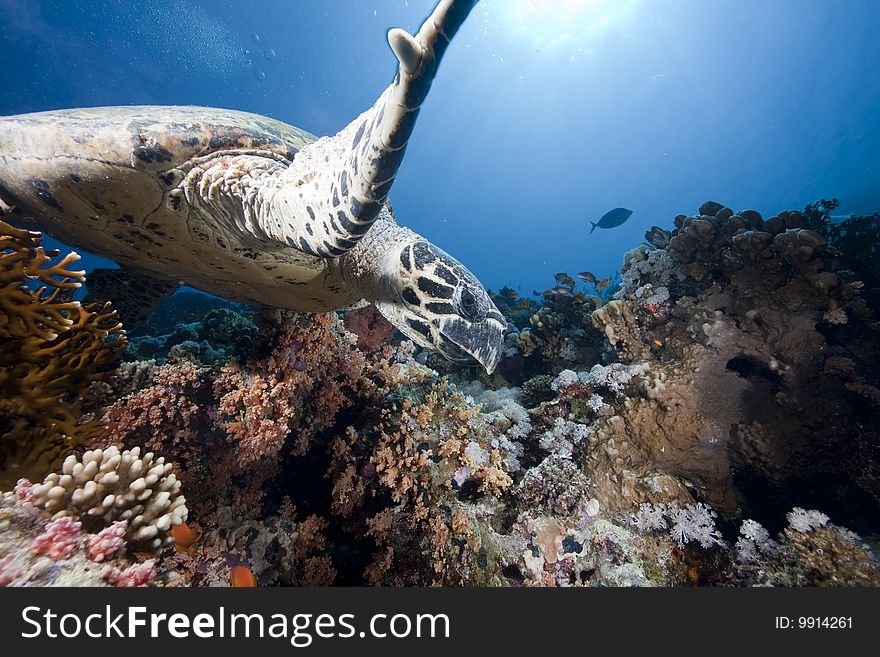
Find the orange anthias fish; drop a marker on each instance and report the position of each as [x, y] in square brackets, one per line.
[601, 285]
[242, 577]
[184, 536]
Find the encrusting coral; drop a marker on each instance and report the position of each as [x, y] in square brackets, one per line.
[52, 348]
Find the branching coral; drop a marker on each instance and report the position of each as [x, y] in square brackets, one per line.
[312, 372]
[244, 433]
[52, 348]
[107, 486]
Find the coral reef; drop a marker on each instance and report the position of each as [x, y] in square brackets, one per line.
[560, 335]
[52, 348]
[307, 370]
[810, 552]
[237, 429]
[222, 333]
[185, 307]
[277, 550]
[655, 435]
[737, 343]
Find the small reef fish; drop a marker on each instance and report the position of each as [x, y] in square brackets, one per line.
[612, 219]
[184, 536]
[564, 279]
[558, 291]
[587, 277]
[601, 285]
[242, 577]
[505, 293]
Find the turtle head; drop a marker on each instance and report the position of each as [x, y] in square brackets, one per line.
[435, 301]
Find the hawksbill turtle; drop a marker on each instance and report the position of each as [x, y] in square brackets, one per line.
[251, 209]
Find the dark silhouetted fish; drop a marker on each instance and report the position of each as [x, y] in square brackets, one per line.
[612, 219]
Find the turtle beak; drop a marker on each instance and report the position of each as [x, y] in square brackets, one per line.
[472, 343]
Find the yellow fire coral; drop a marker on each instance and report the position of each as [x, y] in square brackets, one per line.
[51, 349]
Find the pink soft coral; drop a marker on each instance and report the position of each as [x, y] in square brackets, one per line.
[59, 540]
[107, 543]
[22, 490]
[168, 411]
[138, 574]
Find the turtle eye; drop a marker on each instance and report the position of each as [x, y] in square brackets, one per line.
[470, 307]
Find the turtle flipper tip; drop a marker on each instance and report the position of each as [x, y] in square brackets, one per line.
[444, 21]
[354, 170]
[407, 50]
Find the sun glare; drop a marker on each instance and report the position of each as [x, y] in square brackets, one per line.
[574, 24]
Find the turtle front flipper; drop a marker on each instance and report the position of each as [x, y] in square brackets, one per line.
[336, 187]
[134, 295]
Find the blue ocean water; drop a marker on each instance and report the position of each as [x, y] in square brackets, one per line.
[545, 114]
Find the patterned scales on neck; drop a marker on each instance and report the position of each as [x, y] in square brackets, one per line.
[249, 208]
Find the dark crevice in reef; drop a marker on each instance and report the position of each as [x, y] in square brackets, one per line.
[748, 368]
[304, 480]
[834, 494]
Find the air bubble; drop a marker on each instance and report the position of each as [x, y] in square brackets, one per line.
[269, 54]
[255, 37]
[260, 75]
